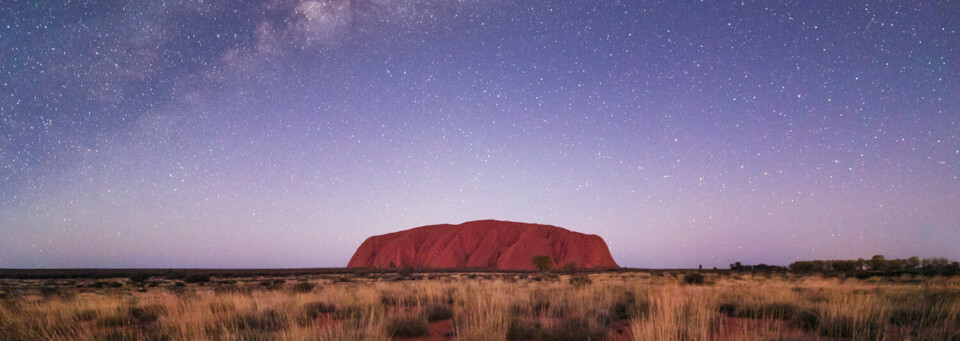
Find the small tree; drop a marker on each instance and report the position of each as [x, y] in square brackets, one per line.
[542, 263]
[913, 263]
[878, 262]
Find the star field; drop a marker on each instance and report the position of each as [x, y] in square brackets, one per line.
[283, 133]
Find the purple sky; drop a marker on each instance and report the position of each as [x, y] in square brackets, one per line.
[282, 134]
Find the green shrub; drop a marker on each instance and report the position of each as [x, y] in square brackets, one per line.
[408, 327]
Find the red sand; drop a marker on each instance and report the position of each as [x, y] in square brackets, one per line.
[489, 244]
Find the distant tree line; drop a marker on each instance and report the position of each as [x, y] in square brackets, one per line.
[880, 265]
[759, 267]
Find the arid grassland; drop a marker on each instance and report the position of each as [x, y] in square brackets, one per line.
[485, 306]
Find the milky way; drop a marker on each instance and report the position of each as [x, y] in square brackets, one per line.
[282, 134]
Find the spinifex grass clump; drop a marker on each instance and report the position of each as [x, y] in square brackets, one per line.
[303, 287]
[580, 280]
[574, 329]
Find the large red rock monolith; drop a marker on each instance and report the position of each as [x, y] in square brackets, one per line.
[488, 244]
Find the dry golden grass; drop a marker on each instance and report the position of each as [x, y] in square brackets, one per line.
[620, 306]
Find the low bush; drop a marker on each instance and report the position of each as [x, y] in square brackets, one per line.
[693, 278]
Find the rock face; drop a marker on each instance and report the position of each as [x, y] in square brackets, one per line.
[490, 244]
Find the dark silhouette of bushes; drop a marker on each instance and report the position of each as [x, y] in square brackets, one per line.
[197, 278]
[879, 265]
[693, 278]
[759, 267]
[139, 277]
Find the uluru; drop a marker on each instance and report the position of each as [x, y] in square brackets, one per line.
[488, 244]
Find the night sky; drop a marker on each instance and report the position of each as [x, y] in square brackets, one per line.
[282, 134]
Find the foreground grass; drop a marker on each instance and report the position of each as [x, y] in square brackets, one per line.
[637, 306]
